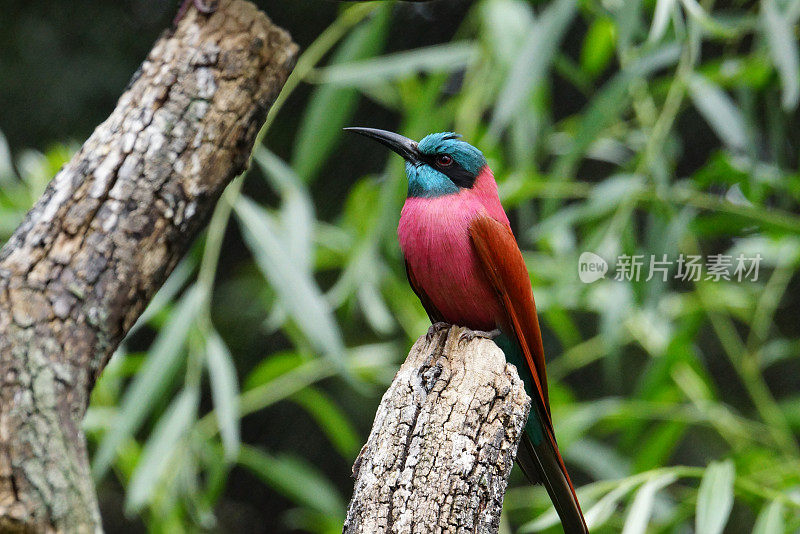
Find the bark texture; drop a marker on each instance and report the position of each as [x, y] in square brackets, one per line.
[443, 442]
[106, 233]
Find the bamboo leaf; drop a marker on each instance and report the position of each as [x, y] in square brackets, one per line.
[151, 382]
[779, 32]
[272, 367]
[609, 102]
[598, 514]
[160, 449]
[331, 107]
[297, 209]
[297, 291]
[532, 62]
[6, 165]
[438, 58]
[706, 21]
[643, 503]
[719, 111]
[224, 391]
[294, 478]
[771, 519]
[505, 25]
[375, 309]
[331, 419]
[598, 46]
[660, 19]
[715, 497]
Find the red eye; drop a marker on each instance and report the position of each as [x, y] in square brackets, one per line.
[444, 160]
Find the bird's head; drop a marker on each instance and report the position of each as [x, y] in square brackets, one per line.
[440, 164]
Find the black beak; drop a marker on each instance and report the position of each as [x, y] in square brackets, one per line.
[402, 145]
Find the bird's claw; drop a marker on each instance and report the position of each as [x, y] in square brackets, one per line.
[435, 328]
[469, 335]
[206, 6]
[203, 6]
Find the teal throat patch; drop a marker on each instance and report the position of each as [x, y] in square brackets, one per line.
[426, 182]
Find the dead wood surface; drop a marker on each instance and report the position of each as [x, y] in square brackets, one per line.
[443, 442]
[108, 230]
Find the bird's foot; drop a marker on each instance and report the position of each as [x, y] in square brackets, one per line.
[469, 335]
[203, 6]
[435, 328]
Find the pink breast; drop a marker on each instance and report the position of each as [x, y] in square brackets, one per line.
[434, 238]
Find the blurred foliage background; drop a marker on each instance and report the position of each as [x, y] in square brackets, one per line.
[618, 127]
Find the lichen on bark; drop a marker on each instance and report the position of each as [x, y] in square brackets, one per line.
[110, 227]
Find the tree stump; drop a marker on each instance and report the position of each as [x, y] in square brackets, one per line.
[107, 232]
[443, 442]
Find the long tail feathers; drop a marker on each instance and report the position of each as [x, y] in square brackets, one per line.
[505, 269]
[543, 464]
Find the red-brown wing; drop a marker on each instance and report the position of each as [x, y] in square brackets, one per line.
[433, 314]
[502, 262]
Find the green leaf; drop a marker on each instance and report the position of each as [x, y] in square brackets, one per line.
[719, 111]
[598, 460]
[330, 107]
[505, 24]
[6, 164]
[373, 362]
[272, 367]
[660, 19]
[160, 449]
[295, 478]
[298, 292]
[771, 519]
[598, 514]
[628, 17]
[609, 103]
[532, 62]
[643, 503]
[374, 307]
[150, 384]
[715, 497]
[297, 209]
[224, 392]
[779, 32]
[598, 46]
[707, 22]
[305, 520]
[438, 58]
[331, 419]
[658, 445]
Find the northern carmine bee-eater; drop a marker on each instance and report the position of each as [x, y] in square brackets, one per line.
[465, 266]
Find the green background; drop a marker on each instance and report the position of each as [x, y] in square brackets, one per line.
[617, 127]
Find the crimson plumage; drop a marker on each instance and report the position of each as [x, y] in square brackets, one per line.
[434, 237]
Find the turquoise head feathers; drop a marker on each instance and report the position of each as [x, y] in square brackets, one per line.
[440, 164]
[446, 165]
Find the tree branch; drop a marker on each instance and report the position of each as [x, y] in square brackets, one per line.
[108, 230]
[443, 441]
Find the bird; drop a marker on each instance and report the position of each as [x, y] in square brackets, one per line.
[463, 262]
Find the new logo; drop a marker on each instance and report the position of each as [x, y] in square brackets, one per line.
[591, 267]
